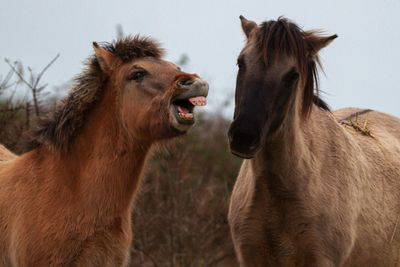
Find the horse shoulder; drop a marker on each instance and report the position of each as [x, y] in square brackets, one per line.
[375, 139]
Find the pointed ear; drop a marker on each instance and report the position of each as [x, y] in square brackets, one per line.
[247, 25]
[106, 59]
[316, 42]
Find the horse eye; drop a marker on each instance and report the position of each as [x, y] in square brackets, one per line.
[138, 75]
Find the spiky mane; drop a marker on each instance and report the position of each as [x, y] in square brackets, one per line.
[59, 128]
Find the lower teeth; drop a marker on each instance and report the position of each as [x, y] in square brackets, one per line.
[186, 116]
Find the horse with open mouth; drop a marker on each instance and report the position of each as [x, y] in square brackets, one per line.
[68, 201]
[316, 188]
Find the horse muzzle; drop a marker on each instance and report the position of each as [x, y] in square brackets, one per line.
[243, 143]
[189, 94]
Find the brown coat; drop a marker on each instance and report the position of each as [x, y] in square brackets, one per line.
[68, 201]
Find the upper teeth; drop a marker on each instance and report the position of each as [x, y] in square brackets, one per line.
[197, 103]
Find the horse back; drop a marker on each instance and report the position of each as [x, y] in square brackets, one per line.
[377, 138]
[367, 122]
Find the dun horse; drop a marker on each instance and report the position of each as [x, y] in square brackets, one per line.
[316, 188]
[68, 201]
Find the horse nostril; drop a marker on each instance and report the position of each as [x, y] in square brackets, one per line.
[185, 82]
[244, 138]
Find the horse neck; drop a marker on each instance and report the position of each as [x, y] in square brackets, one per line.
[103, 165]
[287, 154]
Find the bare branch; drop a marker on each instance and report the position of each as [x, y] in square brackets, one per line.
[33, 84]
[20, 76]
[45, 69]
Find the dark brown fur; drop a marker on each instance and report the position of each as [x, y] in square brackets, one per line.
[283, 37]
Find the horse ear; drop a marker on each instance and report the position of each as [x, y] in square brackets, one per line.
[247, 25]
[316, 42]
[106, 58]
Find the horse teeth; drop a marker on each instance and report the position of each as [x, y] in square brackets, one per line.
[186, 116]
[199, 103]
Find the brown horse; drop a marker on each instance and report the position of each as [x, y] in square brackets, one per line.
[317, 188]
[68, 201]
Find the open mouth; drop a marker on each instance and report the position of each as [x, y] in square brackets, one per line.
[183, 109]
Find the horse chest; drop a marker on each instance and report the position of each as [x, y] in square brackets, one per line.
[265, 231]
[253, 224]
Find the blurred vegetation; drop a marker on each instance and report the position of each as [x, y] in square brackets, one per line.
[23, 98]
[180, 216]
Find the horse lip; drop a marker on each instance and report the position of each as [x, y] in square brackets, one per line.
[181, 120]
[198, 88]
[190, 94]
[248, 155]
[245, 152]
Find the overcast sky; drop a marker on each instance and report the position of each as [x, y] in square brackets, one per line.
[361, 65]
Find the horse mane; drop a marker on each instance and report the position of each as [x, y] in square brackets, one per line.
[283, 37]
[59, 128]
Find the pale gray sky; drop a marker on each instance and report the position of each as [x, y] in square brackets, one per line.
[361, 66]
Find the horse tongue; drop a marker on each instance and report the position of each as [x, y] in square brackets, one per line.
[183, 110]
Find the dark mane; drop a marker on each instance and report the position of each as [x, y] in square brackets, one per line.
[133, 47]
[59, 128]
[283, 37]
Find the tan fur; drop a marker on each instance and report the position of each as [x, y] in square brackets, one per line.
[339, 196]
[5, 154]
[323, 190]
[68, 202]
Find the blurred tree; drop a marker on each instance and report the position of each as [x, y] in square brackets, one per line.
[183, 60]
[120, 31]
[17, 113]
[180, 217]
